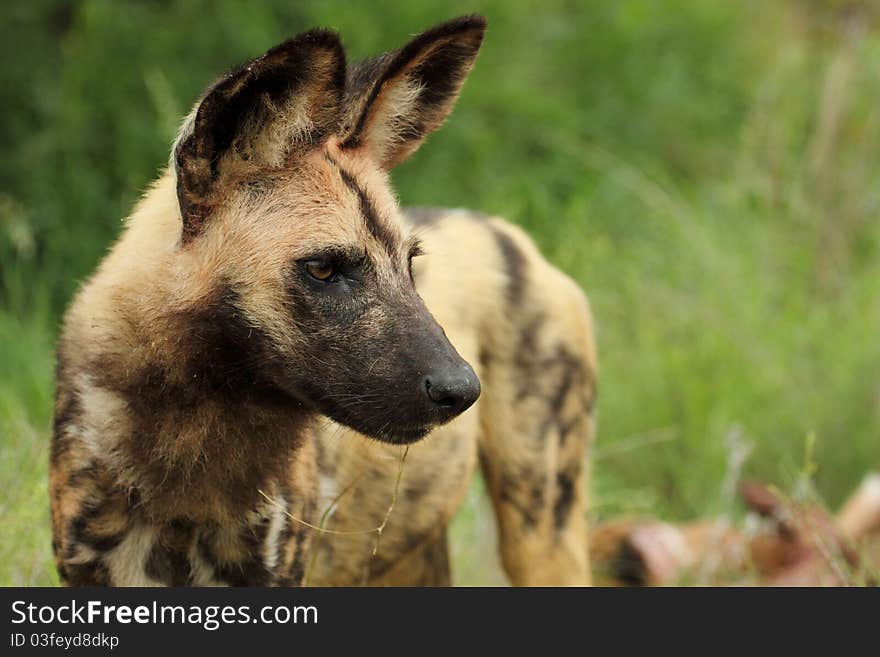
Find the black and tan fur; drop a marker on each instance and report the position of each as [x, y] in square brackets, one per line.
[216, 395]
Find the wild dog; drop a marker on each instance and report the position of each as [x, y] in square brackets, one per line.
[264, 314]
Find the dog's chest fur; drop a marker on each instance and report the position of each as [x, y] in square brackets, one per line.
[181, 553]
[111, 539]
[117, 524]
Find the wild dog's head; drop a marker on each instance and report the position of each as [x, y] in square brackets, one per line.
[288, 217]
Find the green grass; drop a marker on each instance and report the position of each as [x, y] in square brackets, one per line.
[25, 420]
[708, 172]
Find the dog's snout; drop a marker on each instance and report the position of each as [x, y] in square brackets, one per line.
[452, 390]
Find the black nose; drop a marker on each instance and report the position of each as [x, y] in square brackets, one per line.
[452, 391]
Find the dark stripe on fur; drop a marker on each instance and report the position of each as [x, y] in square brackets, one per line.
[81, 529]
[564, 499]
[67, 413]
[376, 228]
[515, 266]
[169, 559]
[93, 573]
[249, 571]
[169, 566]
[509, 492]
[437, 570]
[297, 571]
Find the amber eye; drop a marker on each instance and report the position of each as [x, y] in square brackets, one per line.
[321, 270]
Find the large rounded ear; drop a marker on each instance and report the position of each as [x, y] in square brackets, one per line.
[395, 100]
[258, 116]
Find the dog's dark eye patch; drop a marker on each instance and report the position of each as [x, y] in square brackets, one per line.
[348, 263]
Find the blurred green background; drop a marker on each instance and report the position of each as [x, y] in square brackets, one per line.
[708, 172]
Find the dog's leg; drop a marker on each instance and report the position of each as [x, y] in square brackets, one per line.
[539, 495]
[427, 565]
[537, 419]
